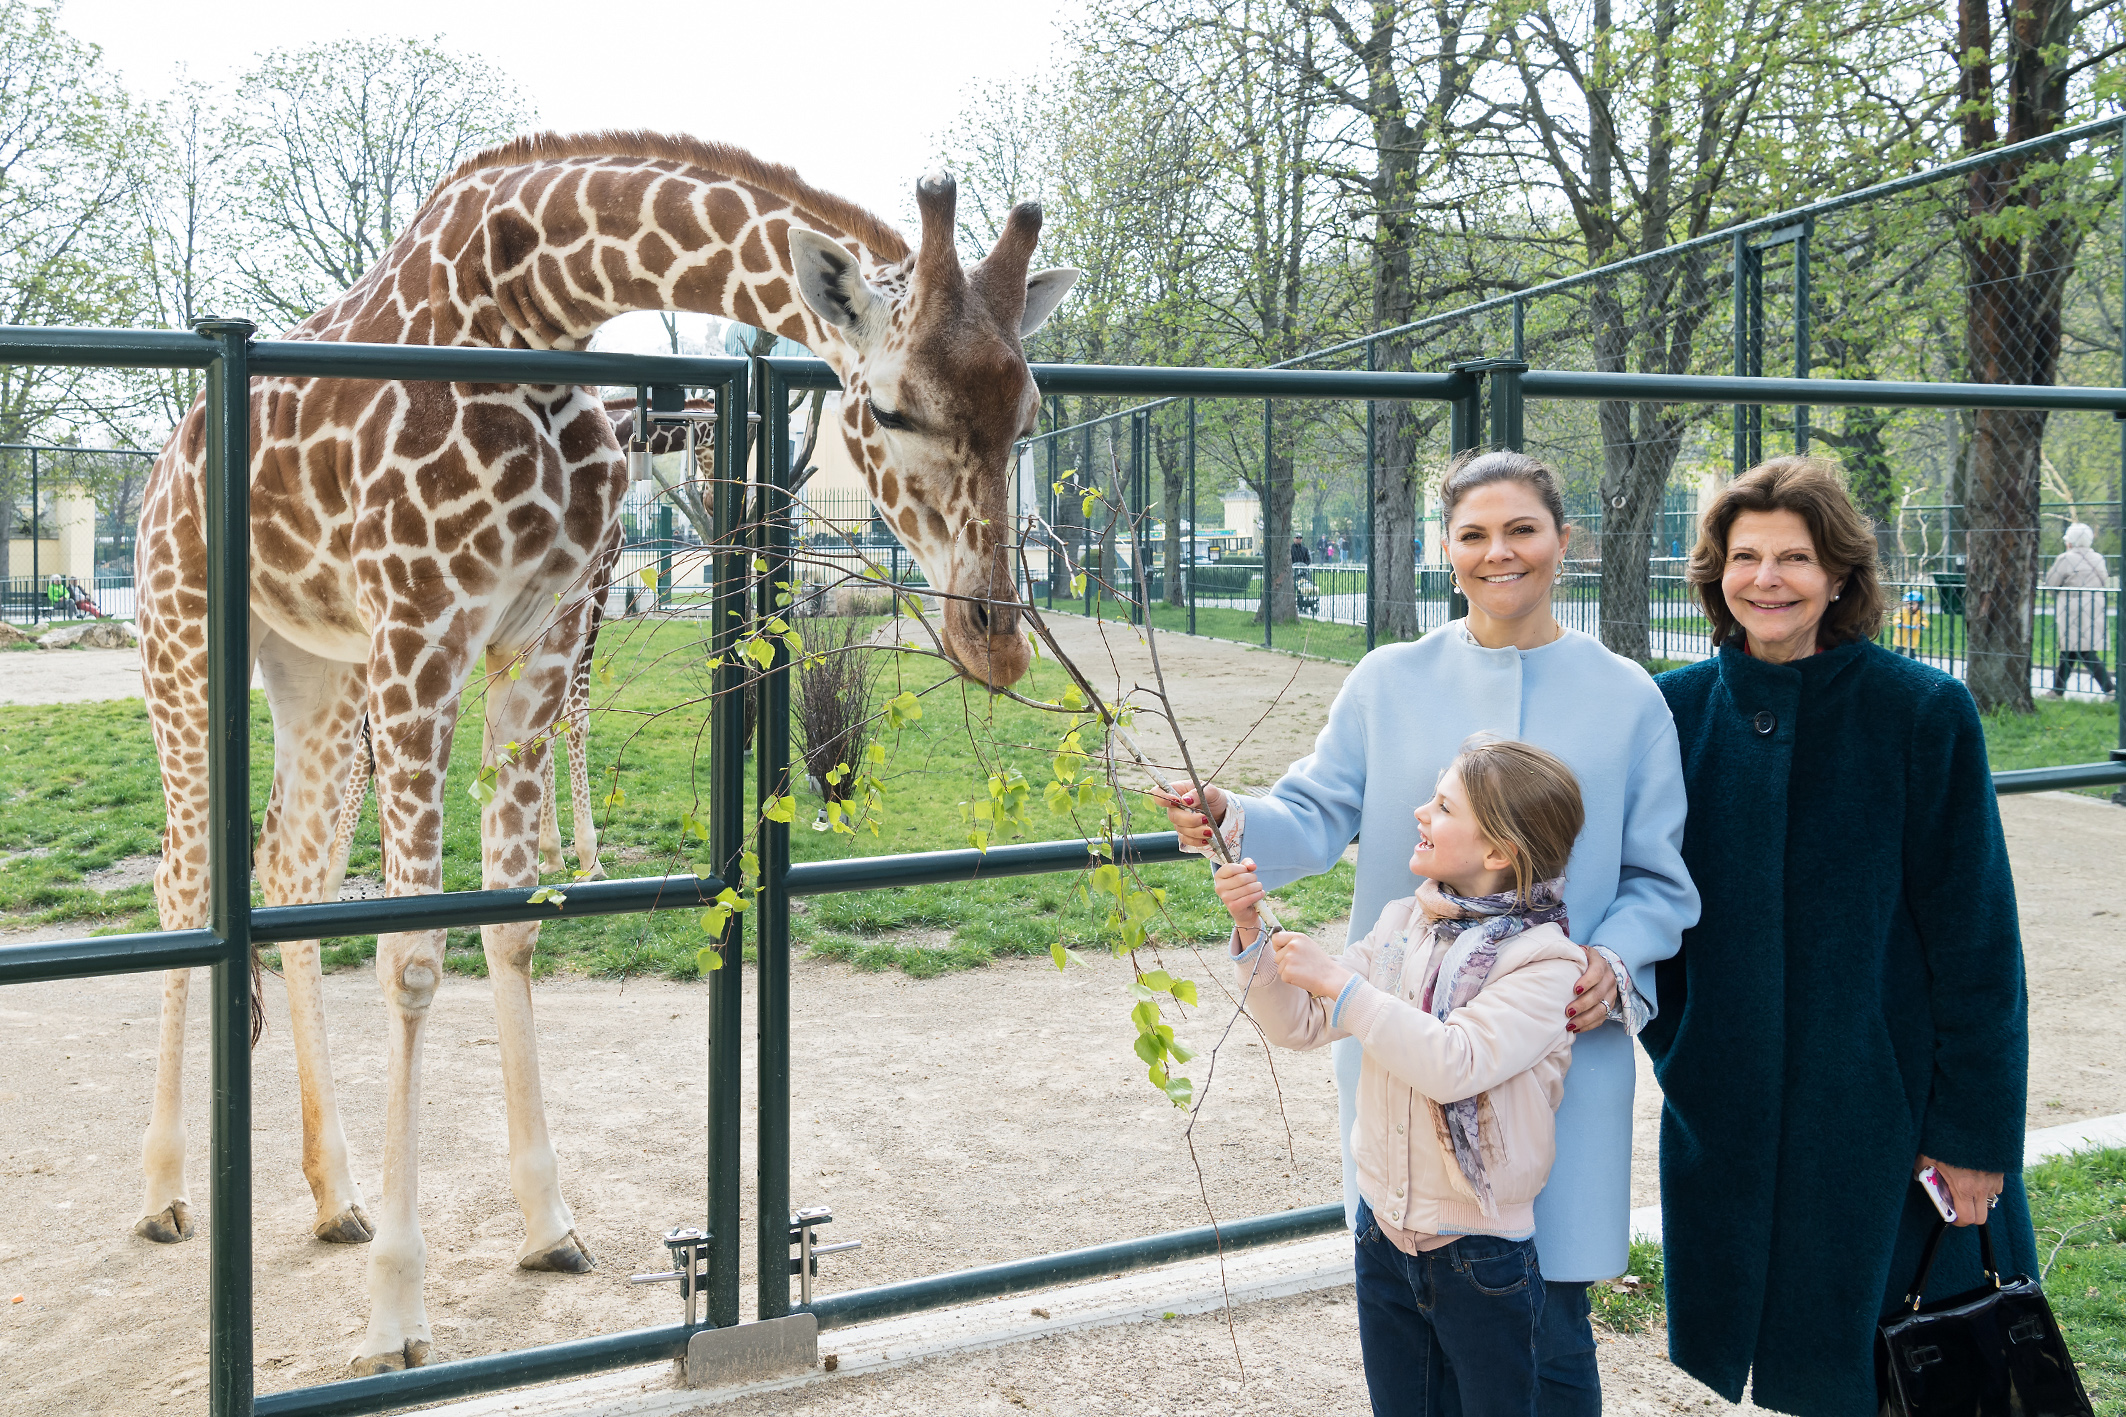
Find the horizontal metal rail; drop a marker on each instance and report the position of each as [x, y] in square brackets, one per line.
[799, 373]
[1861, 393]
[469, 1377]
[109, 954]
[458, 910]
[929, 868]
[1069, 1266]
[2058, 779]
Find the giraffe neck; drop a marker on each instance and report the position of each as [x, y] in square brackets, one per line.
[541, 254]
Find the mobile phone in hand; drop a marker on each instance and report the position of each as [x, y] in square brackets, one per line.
[1938, 1191]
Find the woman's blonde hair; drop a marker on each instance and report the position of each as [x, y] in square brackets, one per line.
[1526, 802]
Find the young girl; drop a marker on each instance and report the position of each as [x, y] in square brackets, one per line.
[1458, 997]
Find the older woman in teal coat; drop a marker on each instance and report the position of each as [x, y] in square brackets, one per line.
[1849, 1007]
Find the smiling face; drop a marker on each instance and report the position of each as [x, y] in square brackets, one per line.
[1505, 549]
[1452, 850]
[938, 394]
[1775, 584]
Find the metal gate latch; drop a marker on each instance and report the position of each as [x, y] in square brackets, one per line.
[805, 1264]
[690, 1258]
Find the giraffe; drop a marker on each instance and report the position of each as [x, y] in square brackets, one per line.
[402, 533]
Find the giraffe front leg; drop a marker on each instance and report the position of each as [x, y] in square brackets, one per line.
[166, 1211]
[408, 968]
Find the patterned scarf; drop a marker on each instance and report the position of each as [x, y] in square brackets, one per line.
[1470, 930]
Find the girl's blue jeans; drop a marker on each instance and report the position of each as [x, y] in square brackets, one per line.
[1451, 1332]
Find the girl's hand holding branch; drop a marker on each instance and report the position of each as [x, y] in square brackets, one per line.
[1239, 890]
[1303, 963]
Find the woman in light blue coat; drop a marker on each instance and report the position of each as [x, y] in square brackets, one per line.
[1512, 670]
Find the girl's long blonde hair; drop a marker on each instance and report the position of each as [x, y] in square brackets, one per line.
[1526, 803]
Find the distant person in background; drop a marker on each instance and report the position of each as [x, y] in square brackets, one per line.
[1910, 626]
[1299, 553]
[2078, 620]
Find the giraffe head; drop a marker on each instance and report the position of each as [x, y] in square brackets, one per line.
[937, 394]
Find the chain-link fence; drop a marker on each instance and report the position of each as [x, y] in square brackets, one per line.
[2002, 270]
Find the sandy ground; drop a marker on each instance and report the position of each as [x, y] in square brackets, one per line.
[949, 1122]
[67, 676]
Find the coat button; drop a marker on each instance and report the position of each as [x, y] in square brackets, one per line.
[1766, 723]
[1398, 1192]
[1398, 1128]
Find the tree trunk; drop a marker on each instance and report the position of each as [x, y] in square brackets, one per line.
[1279, 601]
[2017, 273]
[2000, 537]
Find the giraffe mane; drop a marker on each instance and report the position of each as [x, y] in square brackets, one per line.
[723, 159]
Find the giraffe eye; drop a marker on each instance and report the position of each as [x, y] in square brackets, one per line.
[886, 417]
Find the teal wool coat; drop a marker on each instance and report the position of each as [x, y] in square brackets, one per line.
[1852, 996]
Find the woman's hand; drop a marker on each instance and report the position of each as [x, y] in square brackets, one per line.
[1302, 962]
[1594, 998]
[1972, 1193]
[1240, 892]
[1193, 826]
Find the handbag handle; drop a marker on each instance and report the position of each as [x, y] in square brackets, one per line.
[1926, 1258]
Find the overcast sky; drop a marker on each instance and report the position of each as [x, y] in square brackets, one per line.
[851, 95]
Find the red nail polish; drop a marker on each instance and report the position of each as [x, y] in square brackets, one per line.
[1575, 988]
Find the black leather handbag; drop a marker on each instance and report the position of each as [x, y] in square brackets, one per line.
[1993, 1352]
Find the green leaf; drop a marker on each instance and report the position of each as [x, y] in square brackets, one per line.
[616, 798]
[1148, 1049]
[1077, 585]
[760, 565]
[1060, 955]
[1180, 1090]
[1057, 796]
[1073, 698]
[836, 773]
[1184, 991]
[708, 959]
[1139, 992]
[780, 809]
[546, 895]
[714, 919]
[1181, 1054]
[1108, 880]
[1158, 979]
[1146, 1017]
[516, 669]
[876, 752]
[649, 575]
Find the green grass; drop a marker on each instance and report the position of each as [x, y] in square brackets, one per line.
[2078, 1207]
[79, 791]
[2078, 1204]
[1635, 1301]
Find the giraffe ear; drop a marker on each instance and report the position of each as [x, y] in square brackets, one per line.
[828, 278]
[1044, 292]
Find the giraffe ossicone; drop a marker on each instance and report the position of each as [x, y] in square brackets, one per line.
[403, 534]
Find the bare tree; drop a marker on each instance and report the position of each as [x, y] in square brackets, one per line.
[340, 144]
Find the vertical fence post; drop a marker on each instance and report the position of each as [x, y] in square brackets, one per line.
[1464, 422]
[1506, 404]
[1055, 498]
[1520, 330]
[1801, 329]
[38, 599]
[1269, 599]
[1085, 521]
[1739, 333]
[2119, 597]
[727, 820]
[1372, 461]
[1139, 574]
[1194, 546]
[227, 488]
[772, 926]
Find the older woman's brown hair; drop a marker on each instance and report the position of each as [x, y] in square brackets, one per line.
[1845, 543]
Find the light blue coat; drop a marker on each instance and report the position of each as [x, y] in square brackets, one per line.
[1402, 715]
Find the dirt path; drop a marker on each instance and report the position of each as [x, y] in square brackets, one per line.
[69, 676]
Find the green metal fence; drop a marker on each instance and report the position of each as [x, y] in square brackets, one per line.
[230, 359]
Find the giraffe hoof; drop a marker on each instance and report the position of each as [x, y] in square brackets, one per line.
[168, 1226]
[567, 1257]
[350, 1227]
[368, 1365]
